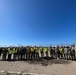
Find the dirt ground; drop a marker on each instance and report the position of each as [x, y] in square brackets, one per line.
[51, 67]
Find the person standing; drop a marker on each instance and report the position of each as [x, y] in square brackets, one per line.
[0, 52]
[73, 53]
[4, 53]
[65, 52]
[23, 51]
[61, 52]
[19, 53]
[32, 53]
[27, 52]
[46, 51]
[37, 53]
[15, 51]
[10, 51]
[41, 52]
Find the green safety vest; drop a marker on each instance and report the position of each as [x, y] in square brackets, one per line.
[75, 50]
[37, 50]
[32, 49]
[40, 49]
[60, 50]
[15, 50]
[45, 49]
[9, 51]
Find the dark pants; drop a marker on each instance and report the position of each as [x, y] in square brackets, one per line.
[4, 57]
[32, 55]
[61, 55]
[42, 54]
[19, 56]
[9, 57]
[65, 55]
[15, 56]
[73, 56]
[52, 54]
[56, 55]
[37, 55]
[0, 53]
[27, 55]
[22, 56]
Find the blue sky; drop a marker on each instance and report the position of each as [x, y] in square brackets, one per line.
[37, 22]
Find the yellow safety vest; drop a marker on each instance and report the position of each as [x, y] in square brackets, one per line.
[37, 50]
[32, 50]
[45, 49]
[75, 50]
[9, 51]
[40, 49]
[60, 50]
[15, 50]
[28, 50]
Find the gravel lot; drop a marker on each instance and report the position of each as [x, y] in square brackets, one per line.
[51, 67]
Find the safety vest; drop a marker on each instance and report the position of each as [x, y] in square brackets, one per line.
[37, 50]
[45, 49]
[60, 50]
[75, 50]
[40, 49]
[15, 50]
[28, 50]
[9, 51]
[32, 49]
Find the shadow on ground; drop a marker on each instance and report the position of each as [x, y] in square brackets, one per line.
[45, 61]
[48, 61]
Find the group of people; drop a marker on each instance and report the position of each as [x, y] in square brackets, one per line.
[20, 53]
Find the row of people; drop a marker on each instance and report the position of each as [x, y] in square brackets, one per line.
[19, 53]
